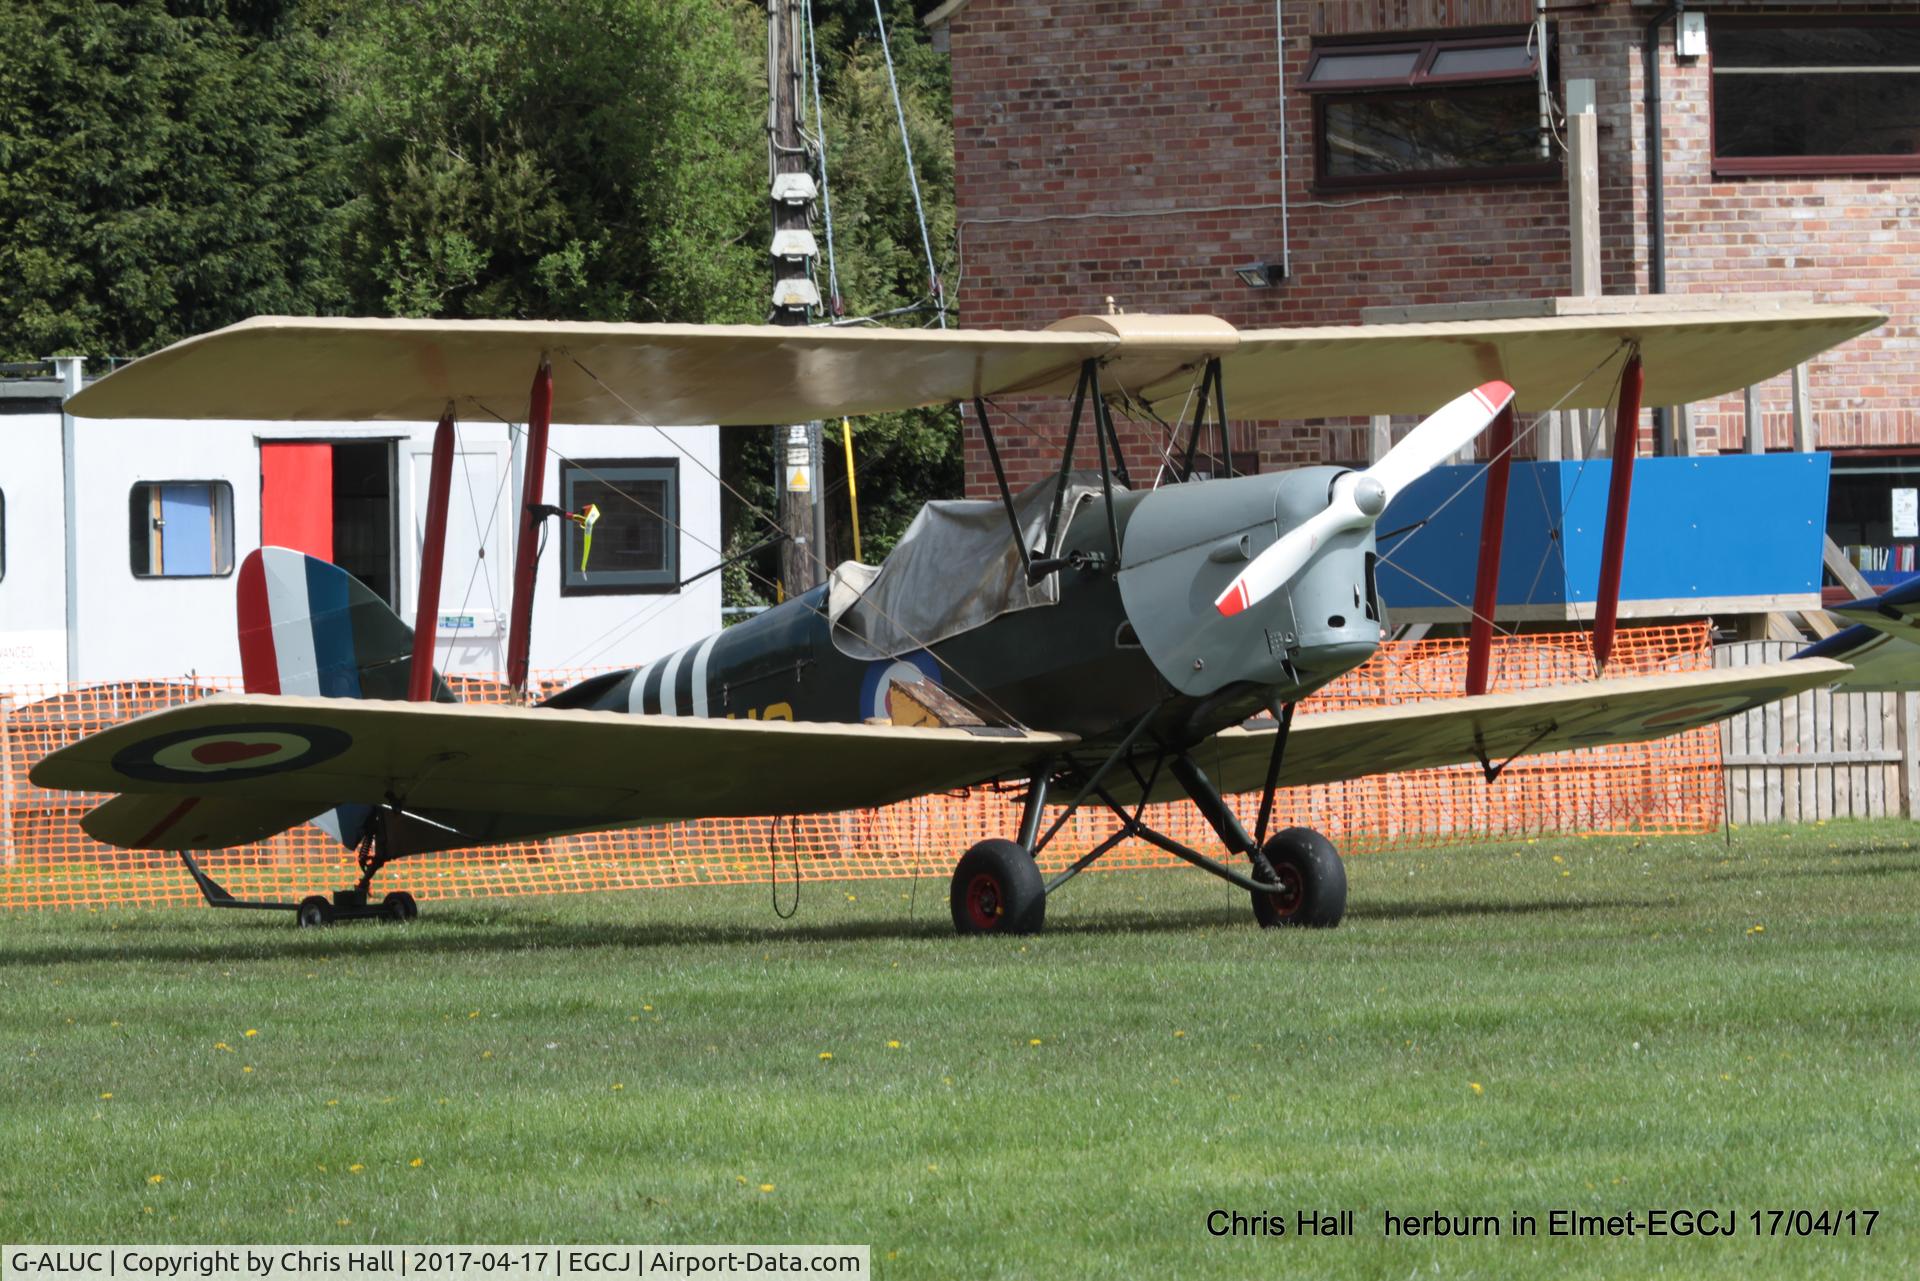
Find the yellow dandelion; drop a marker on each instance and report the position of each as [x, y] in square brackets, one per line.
[222, 1045]
[1178, 1033]
[932, 1168]
[486, 1054]
[853, 898]
[619, 1085]
[146, 1209]
[1034, 1041]
[114, 1023]
[252, 1031]
[247, 1068]
[826, 1056]
[766, 1187]
[946, 1080]
[156, 1178]
[1758, 929]
[333, 1103]
[355, 1168]
[1558, 859]
[417, 1162]
[473, 1014]
[741, 1179]
[647, 1009]
[107, 1095]
[342, 1222]
[891, 1045]
[1726, 1076]
[1476, 1087]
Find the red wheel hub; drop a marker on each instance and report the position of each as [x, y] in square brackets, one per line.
[983, 901]
[1292, 890]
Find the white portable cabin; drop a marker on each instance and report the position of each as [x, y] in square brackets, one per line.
[120, 539]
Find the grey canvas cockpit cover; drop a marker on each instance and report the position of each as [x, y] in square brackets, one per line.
[955, 569]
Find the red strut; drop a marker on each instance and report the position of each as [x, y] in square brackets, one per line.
[1493, 527]
[520, 632]
[433, 552]
[1613, 543]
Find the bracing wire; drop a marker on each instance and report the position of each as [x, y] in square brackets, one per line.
[820, 141]
[913, 177]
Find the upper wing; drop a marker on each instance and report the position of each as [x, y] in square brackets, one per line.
[340, 369]
[1331, 746]
[1688, 355]
[594, 768]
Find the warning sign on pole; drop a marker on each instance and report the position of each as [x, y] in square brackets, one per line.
[799, 480]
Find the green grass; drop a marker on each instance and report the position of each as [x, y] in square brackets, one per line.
[650, 1067]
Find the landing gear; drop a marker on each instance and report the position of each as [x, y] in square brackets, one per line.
[998, 890]
[356, 904]
[1311, 881]
[1297, 877]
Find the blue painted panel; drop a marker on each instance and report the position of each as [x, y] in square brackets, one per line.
[1727, 525]
[186, 545]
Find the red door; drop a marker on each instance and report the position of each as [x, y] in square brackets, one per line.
[296, 497]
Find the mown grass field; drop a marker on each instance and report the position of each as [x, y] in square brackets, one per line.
[1594, 1025]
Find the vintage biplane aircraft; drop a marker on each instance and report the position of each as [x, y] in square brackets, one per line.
[1097, 641]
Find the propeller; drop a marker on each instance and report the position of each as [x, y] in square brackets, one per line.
[1358, 498]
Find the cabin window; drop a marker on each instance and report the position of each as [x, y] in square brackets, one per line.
[636, 541]
[181, 528]
[1873, 513]
[1816, 95]
[1417, 111]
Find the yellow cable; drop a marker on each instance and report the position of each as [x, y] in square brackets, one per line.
[853, 494]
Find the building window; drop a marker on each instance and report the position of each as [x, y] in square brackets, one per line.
[636, 541]
[1416, 111]
[182, 528]
[1816, 96]
[1873, 513]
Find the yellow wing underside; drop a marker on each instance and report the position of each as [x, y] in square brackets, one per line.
[253, 764]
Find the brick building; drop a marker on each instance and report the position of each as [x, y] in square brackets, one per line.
[1389, 152]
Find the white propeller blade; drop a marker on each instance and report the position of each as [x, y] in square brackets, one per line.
[1359, 497]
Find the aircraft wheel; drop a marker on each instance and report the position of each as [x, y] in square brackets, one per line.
[998, 890]
[399, 906]
[314, 911]
[1313, 882]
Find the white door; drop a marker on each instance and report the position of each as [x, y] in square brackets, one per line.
[476, 578]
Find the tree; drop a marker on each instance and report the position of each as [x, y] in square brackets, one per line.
[588, 159]
[165, 168]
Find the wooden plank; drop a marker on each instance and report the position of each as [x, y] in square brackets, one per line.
[1909, 714]
[1858, 756]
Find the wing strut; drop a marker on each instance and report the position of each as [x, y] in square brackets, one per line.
[1493, 528]
[1000, 476]
[1613, 543]
[1211, 387]
[433, 555]
[527, 550]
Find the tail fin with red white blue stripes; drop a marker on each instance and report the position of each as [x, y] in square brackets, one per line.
[310, 628]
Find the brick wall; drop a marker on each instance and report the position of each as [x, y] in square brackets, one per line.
[1131, 150]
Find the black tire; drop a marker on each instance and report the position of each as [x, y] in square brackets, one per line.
[1313, 883]
[998, 890]
[314, 911]
[399, 906]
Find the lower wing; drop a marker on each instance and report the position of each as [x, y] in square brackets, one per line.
[1491, 728]
[253, 764]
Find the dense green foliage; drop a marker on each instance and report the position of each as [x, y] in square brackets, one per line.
[1594, 1025]
[170, 166]
[165, 168]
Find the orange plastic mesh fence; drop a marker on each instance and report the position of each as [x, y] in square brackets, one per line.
[1672, 785]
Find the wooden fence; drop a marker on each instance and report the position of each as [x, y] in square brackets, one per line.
[1823, 754]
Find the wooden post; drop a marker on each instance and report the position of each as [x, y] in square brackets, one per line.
[1806, 436]
[1493, 523]
[1680, 424]
[1548, 433]
[1909, 737]
[1756, 426]
[1583, 200]
[433, 555]
[6, 780]
[1379, 437]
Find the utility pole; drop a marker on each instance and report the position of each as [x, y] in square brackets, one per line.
[797, 449]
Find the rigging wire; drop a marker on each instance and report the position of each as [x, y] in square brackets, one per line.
[834, 306]
[913, 178]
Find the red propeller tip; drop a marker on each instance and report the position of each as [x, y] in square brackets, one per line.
[1235, 601]
[1494, 394]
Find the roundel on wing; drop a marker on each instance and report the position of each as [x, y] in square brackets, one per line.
[230, 753]
[876, 687]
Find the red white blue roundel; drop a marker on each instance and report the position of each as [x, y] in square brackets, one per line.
[230, 753]
[876, 687]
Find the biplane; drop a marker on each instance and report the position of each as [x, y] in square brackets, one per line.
[1097, 640]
